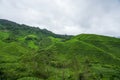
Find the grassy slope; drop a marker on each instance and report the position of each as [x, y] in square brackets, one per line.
[108, 44]
[83, 48]
[28, 55]
[103, 61]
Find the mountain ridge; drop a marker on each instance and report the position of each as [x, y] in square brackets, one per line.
[30, 53]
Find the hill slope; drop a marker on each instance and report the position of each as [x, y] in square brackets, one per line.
[29, 53]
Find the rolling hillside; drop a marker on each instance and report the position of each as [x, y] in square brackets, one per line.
[30, 53]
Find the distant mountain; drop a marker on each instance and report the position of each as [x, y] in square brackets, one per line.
[31, 53]
[15, 27]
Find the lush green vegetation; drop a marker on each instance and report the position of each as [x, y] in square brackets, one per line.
[29, 53]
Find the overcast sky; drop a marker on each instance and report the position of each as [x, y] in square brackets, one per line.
[65, 16]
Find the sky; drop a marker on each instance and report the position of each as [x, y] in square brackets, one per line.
[70, 17]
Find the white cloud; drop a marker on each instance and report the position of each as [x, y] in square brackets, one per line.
[66, 16]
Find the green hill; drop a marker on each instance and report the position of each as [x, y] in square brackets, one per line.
[30, 53]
